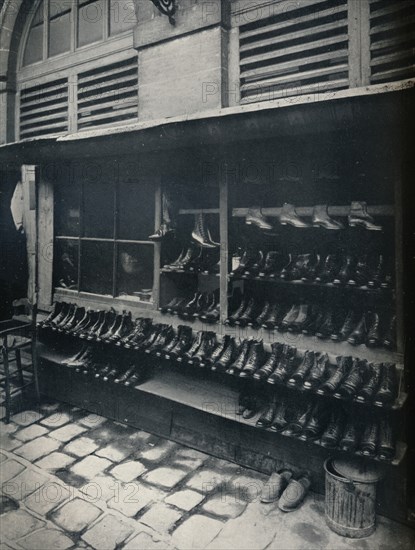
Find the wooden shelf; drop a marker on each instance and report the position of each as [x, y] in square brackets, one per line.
[185, 211]
[307, 211]
[186, 272]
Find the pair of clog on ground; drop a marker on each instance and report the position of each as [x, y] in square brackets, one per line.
[289, 492]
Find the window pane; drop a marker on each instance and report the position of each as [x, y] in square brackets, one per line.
[66, 264]
[136, 211]
[122, 16]
[96, 267]
[57, 7]
[98, 210]
[135, 270]
[34, 46]
[67, 201]
[60, 34]
[90, 22]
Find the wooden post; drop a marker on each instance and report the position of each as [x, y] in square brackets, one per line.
[359, 43]
[224, 244]
[29, 224]
[157, 246]
[45, 241]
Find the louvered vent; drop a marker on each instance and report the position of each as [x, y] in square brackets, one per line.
[301, 51]
[392, 40]
[108, 94]
[44, 109]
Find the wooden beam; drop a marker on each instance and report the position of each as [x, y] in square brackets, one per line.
[45, 241]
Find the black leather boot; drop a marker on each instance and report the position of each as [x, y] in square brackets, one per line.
[378, 274]
[255, 217]
[227, 357]
[361, 275]
[358, 336]
[369, 440]
[289, 216]
[205, 349]
[171, 344]
[172, 266]
[389, 340]
[241, 358]
[57, 309]
[301, 419]
[267, 417]
[193, 348]
[373, 333]
[141, 334]
[388, 389]
[321, 218]
[231, 320]
[122, 378]
[314, 322]
[112, 328]
[191, 253]
[290, 316]
[346, 329]
[150, 338]
[329, 270]
[285, 366]
[57, 324]
[249, 314]
[254, 361]
[281, 418]
[271, 363]
[354, 379]
[274, 318]
[168, 307]
[258, 322]
[291, 271]
[195, 264]
[301, 319]
[317, 421]
[256, 267]
[346, 271]
[350, 437]
[191, 307]
[311, 267]
[123, 329]
[318, 372]
[372, 383]
[272, 265]
[359, 216]
[162, 232]
[327, 327]
[333, 432]
[386, 449]
[218, 351]
[83, 323]
[182, 345]
[90, 333]
[247, 260]
[201, 305]
[95, 318]
[334, 381]
[138, 377]
[73, 319]
[304, 368]
[103, 327]
[165, 336]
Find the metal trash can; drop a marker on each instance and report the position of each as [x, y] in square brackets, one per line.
[350, 505]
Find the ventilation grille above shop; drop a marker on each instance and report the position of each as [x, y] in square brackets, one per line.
[300, 51]
[44, 109]
[108, 94]
[392, 40]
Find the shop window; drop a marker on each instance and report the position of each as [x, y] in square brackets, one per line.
[60, 33]
[121, 15]
[101, 232]
[34, 45]
[90, 22]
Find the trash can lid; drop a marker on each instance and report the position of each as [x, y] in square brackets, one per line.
[357, 469]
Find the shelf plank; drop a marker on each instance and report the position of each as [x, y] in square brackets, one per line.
[378, 210]
[199, 211]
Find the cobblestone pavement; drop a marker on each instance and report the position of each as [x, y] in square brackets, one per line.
[75, 480]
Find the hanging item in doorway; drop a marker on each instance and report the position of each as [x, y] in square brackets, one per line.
[17, 207]
[201, 233]
[167, 225]
[166, 7]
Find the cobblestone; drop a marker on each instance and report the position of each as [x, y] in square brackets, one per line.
[46, 539]
[91, 466]
[19, 523]
[196, 532]
[188, 458]
[224, 505]
[157, 452]
[55, 461]
[165, 477]
[27, 482]
[68, 432]
[114, 453]
[160, 517]
[10, 469]
[108, 532]
[128, 471]
[31, 432]
[8, 443]
[100, 489]
[92, 420]
[75, 515]
[25, 418]
[57, 419]
[47, 497]
[133, 497]
[144, 541]
[81, 446]
[207, 480]
[185, 500]
[37, 448]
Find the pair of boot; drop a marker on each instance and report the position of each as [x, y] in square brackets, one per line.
[199, 350]
[248, 405]
[289, 492]
[276, 415]
[195, 259]
[204, 306]
[279, 366]
[250, 313]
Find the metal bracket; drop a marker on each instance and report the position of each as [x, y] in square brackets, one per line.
[166, 7]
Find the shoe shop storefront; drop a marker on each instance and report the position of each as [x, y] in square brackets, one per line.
[232, 279]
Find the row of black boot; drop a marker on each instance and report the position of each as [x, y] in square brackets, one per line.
[195, 259]
[339, 270]
[328, 426]
[203, 305]
[357, 328]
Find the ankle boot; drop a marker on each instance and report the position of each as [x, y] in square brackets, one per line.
[57, 309]
[358, 336]
[389, 340]
[201, 305]
[77, 356]
[373, 334]
[143, 329]
[210, 304]
[359, 216]
[291, 316]
[247, 260]
[201, 234]
[333, 432]
[138, 377]
[267, 417]
[205, 349]
[316, 319]
[176, 262]
[150, 338]
[164, 337]
[184, 343]
[200, 335]
[302, 418]
[290, 271]
[304, 314]
[258, 322]
[304, 368]
[354, 379]
[350, 437]
[329, 270]
[388, 389]
[231, 320]
[370, 387]
[285, 366]
[111, 329]
[273, 320]
[386, 448]
[218, 351]
[94, 320]
[248, 316]
[289, 216]
[181, 265]
[346, 328]
[271, 266]
[195, 264]
[321, 218]
[255, 217]
[254, 360]
[76, 314]
[334, 381]
[318, 372]
[311, 267]
[271, 363]
[125, 376]
[241, 358]
[107, 319]
[168, 307]
[317, 421]
[327, 327]
[123, 329]
[255, 267]
[378, 274]
[346, 271]
[361, 274]
[369, 440]
[281, 420]
[191, 306]
[65, 318]
[162, 232]
[227, 357]
[89, 333]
